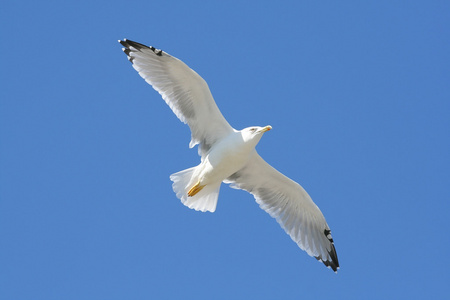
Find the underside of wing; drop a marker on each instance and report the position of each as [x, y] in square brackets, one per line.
[287, 202]
[186, 93]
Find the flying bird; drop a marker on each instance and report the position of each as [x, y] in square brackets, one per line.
[228, 155]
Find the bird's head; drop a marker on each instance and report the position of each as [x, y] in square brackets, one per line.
[254, 133]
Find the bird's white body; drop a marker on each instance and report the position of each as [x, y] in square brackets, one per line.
[229, 155]
[198, 187]
[225, 158]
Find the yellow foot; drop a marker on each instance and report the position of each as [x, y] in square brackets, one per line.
[195, 189]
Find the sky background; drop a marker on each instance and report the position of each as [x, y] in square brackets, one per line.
[357, 92]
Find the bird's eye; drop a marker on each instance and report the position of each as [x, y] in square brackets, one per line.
[252, 129]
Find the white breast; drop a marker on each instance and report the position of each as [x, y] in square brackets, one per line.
[225, 158]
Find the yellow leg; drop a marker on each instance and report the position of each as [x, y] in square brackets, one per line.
[195, 189]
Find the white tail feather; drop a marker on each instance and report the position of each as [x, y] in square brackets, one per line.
[205, 200]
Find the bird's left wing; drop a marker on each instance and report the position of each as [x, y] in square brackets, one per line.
[186, 93]
[287, 202]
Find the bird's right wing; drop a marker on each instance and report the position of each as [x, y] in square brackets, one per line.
[184, 91]
[287, 202]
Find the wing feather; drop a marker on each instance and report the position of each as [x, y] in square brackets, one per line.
[292, 207]
[186, 93]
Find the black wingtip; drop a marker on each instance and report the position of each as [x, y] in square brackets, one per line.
[123, 43]
[334, 262]
[138, 46]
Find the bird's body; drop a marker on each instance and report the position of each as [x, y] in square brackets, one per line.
[224, 159]
[228, 155]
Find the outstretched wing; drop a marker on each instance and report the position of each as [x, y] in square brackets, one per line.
[287, 202]
[184, 91]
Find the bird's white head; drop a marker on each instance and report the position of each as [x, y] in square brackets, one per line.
[253, 134]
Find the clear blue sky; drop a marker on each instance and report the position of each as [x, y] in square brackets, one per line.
[357, 92]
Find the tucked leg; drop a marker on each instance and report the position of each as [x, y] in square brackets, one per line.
[195, 189]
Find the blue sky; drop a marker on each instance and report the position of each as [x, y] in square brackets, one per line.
[358, 96]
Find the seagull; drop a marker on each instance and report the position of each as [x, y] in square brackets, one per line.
[228, 155]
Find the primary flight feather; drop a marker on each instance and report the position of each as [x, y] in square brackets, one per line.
[228, 155]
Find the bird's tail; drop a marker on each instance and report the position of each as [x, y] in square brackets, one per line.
[203, 200]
